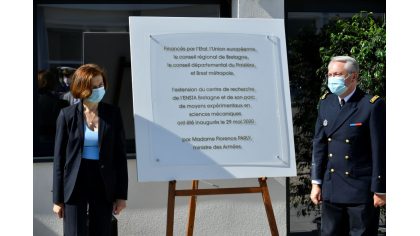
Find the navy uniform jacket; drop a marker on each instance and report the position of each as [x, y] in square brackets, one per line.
[349, 148]
[69, 146]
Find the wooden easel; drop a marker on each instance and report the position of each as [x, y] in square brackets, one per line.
[194, 192]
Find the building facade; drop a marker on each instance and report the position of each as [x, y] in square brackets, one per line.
[61, 32]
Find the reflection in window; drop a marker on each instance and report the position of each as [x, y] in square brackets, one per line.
[60, 30]
[49, 104]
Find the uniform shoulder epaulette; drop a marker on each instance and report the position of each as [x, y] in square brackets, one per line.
[324, 96]
[373, 100]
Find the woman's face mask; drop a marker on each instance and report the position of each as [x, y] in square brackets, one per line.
[97, 95]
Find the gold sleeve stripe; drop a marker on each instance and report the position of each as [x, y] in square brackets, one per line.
[324, 96]
[373, 100]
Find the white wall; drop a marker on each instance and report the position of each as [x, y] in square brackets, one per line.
[258, 9]
[242, 214]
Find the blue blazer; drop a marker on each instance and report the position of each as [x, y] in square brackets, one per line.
[349, 148]
[68, 152]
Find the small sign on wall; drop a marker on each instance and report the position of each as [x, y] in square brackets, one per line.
[211, 98]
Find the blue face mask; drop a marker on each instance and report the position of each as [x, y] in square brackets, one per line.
[97, 95]
[337, 85]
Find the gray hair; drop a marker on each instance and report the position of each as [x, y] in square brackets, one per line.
[351, 63]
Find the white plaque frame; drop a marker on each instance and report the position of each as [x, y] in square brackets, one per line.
[161, 156]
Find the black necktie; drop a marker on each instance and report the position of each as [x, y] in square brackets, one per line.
[342, 102]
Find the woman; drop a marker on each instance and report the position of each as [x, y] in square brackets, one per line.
[90, 163]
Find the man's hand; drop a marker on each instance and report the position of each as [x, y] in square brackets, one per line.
[316, 194]
[58, 209]
[119, 205]
[379, 200]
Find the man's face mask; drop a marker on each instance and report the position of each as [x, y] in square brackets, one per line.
[337, 84]
[67, 80]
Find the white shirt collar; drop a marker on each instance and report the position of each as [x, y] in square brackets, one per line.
[346, 98]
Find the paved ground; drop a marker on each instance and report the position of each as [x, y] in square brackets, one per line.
[304, 226]
[311, 233]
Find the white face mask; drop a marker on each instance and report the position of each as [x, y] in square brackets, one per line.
[97, 95]
[337, 85]
[66, 81]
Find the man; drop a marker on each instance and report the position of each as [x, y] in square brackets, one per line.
[66, 79]
[348, 161]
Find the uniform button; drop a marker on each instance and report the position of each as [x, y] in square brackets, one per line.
[330, 155]
[347, 141]
[332, 170]
[329, 139]
[379, 177]
[346, 157]
[347, 173]
[102, 166]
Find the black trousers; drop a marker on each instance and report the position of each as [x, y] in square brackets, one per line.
[89, 197]
[349, 219]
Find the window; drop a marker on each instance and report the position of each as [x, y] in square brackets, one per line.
[68, 35]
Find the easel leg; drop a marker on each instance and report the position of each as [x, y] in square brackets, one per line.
[191, 217]
[268, 206]
[171, 209]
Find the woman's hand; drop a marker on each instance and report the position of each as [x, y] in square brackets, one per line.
[59, 210]
[119, 205]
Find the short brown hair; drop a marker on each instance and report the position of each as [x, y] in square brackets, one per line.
[82, 80]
